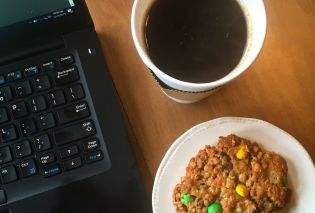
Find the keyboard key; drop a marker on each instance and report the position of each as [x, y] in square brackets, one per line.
[38, 103]
[19, 109]
[29, 71]
[23, 89]
[5, 155]
[73, 112]
[3, 115]
[74, 132]
[69, 151]
[73, 163]
[47, 158]
[91, 144]
[42, 83]
[65, 76]
[46, 121]
[76, 92]
[22, 149]
[49, 65]
[8, 174]
[8, 133]
[51, 170]
[42, 143]
[57, 98]
[3, 197]
[14, 76]
[5, 94]
[28, 168]
[66, 60]
[2, 80]
[93, 157]
[28, 127]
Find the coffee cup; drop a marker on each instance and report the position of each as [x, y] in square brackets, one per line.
[176, 86]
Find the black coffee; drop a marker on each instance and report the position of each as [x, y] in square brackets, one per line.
[196, 40]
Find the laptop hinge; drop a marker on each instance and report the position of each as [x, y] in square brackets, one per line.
[8, 56]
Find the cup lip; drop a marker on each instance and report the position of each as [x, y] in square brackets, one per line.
[197, 87]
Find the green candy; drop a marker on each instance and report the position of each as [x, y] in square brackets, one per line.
[215, 208]
[285, 181]
[185, 198]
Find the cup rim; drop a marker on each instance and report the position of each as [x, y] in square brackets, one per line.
[197, 87]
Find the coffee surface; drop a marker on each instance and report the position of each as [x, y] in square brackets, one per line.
[195, 41]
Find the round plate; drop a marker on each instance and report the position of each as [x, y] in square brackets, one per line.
[174, 163]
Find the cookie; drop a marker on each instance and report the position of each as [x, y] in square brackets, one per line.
[235, 176]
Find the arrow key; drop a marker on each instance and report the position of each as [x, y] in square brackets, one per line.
[73, 163]
[51, 170]
[93, 157]
[69, 151]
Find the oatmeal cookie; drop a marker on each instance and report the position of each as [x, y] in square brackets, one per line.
[235, 176]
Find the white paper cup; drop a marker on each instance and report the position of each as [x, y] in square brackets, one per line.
[187, 92]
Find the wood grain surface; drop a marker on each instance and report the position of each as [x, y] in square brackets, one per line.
[279, 87]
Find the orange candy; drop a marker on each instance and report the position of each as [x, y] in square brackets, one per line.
[218, 180]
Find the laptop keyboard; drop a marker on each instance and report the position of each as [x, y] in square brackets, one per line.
[46, 127]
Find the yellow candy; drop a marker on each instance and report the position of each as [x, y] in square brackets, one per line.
[241, 153]
[241, 190]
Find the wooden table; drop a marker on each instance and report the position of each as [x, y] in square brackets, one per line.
[279, 87]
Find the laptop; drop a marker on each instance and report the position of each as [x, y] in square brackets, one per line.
[59, 118]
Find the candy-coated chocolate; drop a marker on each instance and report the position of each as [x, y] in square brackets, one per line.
[215, 208]
[241, 190]
[241, 153]
[184, 198]
[218, 180]
[285, 181]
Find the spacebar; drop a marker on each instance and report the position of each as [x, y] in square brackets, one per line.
[74, 132]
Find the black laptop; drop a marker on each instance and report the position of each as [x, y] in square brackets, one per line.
[59, 120]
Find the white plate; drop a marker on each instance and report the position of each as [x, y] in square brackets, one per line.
[300, 165]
